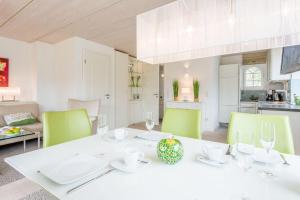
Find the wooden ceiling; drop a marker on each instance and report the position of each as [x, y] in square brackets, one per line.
[109, 22]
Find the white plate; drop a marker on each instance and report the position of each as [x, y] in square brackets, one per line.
[120, 165]
[205, 160]
[73, 169]
[262, 157]
[153, 136]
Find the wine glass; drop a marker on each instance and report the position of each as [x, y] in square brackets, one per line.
[267, 140]
[149, 121]
[102, 124]
[244, 152]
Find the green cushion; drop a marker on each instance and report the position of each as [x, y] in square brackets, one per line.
[23, 122]
[244, 122]
[182, 122]
[19, 119]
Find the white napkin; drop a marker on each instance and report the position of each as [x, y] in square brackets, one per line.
[153, 136]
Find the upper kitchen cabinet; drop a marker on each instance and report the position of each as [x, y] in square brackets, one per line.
[275, 57]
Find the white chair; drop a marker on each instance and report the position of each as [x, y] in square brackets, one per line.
[92, 107]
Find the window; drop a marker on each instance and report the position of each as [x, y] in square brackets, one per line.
[253, 77]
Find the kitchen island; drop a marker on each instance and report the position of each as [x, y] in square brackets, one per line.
[293, 111]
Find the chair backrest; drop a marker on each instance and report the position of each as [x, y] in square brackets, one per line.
[92, 106]
[182, 122]
[244, 122]
[63, 126]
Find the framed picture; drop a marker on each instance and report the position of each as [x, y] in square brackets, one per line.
[4, 72]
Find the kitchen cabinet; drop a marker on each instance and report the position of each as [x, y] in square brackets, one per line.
[228, 91]
[294, 121]
[136, 111]
[275, 57]
[248, 107]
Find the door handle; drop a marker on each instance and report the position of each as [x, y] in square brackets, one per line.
[107, 96]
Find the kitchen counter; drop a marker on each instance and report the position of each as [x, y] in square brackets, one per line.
[265, 105]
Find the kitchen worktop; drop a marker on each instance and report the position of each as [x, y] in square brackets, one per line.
[279, 106]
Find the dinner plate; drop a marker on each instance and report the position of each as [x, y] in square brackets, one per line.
[207, 161]
[153, 136]
[73, 169]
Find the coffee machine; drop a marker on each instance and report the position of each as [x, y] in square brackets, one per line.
[269, 95]
[276, 95]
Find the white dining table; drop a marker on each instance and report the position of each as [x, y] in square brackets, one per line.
[187, 180]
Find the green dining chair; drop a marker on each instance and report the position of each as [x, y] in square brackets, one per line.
[244, 122]
[182, 122]
[63, 126]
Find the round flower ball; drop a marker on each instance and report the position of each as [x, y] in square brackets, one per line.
[170, 150]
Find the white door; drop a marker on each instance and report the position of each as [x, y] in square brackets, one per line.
[97, 75]
[151, 90]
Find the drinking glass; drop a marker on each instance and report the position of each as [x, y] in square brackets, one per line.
[102, 124]
[149, 121]
[267, 140]
[244, 152]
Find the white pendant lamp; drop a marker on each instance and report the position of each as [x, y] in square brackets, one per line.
[190, 29]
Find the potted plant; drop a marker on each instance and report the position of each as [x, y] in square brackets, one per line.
[196, 90]
[132, 81]
[137, 81]
[175, 89]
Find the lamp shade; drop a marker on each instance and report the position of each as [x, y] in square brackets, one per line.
[9, 91]
[190, 29]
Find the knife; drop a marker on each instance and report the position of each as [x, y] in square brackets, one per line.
[89, 181]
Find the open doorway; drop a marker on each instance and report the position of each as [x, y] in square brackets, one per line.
[161, 92]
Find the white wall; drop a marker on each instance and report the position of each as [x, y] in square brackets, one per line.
[43, 63]
[206, 71]
[21, 71]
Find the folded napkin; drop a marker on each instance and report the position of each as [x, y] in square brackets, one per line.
[262, 156]
[154, 136]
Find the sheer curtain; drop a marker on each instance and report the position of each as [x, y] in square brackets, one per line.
[189, 29]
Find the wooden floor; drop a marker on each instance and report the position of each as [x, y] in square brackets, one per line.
[219, 135]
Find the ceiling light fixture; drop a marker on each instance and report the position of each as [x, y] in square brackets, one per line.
[190, 29]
